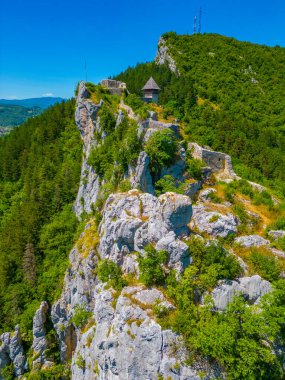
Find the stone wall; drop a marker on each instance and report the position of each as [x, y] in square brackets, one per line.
[217, 161]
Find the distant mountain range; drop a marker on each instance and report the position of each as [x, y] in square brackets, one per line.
[43, 102]
[17, 111]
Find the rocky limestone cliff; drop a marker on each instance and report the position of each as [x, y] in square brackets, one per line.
[87, 123]
[121, 337]
[163, 56]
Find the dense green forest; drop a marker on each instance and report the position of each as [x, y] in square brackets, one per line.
[229, 96]
[39, 177]
[12, 115]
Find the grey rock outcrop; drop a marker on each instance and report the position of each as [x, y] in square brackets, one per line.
[86, 121]
[163, 56]
[132, 220]
[276, 234]
[176, 170]
[11, 351]
[251, 241]
[148, 127]
[127, 343]
[213, 223]
[205, 195]
[79, 283]
[179, 258]
[40, 343]
[142, 179]
[251, 288]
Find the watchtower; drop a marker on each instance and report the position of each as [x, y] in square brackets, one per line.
[150, 91]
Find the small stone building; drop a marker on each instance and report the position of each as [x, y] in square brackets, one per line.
[151, 91]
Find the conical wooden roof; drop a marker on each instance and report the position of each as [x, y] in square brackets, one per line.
[151, 85]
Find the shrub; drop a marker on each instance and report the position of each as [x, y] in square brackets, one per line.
[137, 104]
[194, 168]
[80, 316]
[214, 198]
[264, 198]
[107, 119]
[279, 223]
[214, 218]
[111, 273]
[80, 362]
[266, 266]
[168, 183]
[162, 147]
[151, 266]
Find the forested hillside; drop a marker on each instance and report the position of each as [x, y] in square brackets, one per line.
[39, 175]
[230, 96]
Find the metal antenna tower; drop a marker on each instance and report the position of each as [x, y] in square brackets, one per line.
[200, 20]
[85, 66]
[194, 24]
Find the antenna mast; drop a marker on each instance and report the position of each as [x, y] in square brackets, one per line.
[200, 20]
[85, 71]
[194, 24]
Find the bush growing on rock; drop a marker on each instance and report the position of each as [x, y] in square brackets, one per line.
[110, 159]
[151, 266]
[161, 148]
[213, 258]
[81, 315]
[194, 167]
[266, 266]
[107, 119]
[111, 273]
[169, 184]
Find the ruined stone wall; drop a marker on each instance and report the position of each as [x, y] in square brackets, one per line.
[217, 161]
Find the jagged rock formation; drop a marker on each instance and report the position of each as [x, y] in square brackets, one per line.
[142, 179]
[11, 351]
[87, 122]
[122, 338]
[213, 223]
[132, 220]
[163, 56]
[126, 343]
[251, 288]
[40, 343]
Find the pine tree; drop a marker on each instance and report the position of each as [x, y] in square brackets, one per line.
[29, 264]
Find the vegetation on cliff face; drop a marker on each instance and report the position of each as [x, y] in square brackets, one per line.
[230, 96]
[39, 176]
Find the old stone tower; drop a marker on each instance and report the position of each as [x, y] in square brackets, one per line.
[150, 91]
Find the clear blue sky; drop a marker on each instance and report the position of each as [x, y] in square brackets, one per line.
[44, 43]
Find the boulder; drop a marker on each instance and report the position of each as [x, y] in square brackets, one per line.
[251, 241]
[251, 288]
[204, 195]
[193, 188]
[213, 223]
[178, 251]
[276, 234]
